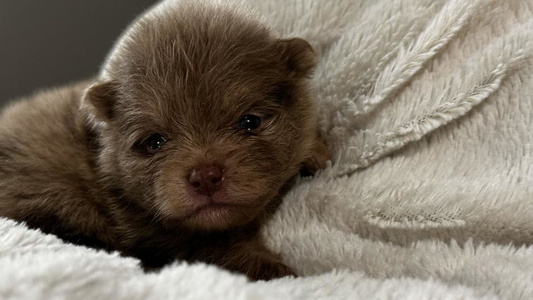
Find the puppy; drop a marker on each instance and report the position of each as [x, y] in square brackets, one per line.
[178, 150]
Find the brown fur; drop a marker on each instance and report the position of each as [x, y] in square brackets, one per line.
[74, 161]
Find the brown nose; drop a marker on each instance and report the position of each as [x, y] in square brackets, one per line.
[206, 179]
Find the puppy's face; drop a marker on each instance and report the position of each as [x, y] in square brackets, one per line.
[202, 123]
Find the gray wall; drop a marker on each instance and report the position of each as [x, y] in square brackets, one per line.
[52, 42]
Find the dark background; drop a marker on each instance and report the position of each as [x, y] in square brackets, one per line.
[52, 42]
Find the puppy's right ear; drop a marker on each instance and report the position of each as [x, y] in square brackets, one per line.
[299, 56]
[100, 98]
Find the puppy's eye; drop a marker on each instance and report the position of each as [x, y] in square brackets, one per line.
[249, 122]
[154, 142]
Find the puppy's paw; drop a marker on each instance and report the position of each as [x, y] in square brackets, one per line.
[267, 269]
[257, 263]
[320, 154]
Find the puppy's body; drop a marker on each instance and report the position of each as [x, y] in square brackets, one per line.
[178, 149]
[48, 166]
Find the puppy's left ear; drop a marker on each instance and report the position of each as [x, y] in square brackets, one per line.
[299, 56]
[99, 100]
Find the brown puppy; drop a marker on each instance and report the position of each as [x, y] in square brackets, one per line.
[177, 151]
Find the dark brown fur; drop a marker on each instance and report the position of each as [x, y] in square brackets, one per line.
[73, 161]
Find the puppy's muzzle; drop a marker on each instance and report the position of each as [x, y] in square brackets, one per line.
[206, 179]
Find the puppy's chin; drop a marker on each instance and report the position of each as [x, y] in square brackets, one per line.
[216, 217]
[206, 214]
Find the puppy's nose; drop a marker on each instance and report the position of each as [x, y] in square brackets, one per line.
[206, 179]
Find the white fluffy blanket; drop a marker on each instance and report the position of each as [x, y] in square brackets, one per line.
[428, 105]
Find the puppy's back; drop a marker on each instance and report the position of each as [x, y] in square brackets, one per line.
[46, 169]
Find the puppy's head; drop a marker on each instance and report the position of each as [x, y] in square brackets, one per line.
[203, 115]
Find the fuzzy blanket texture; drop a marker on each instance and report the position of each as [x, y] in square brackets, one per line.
[428, 106]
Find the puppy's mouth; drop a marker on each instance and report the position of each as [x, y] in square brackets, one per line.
[218, 216]
[212, 209]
